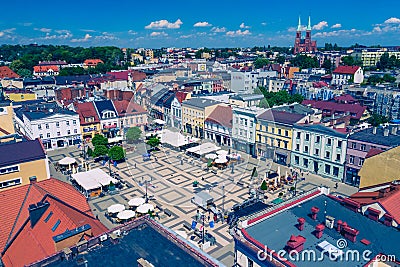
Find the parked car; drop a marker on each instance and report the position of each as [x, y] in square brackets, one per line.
[101, 158]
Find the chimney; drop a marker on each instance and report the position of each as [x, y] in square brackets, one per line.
[394, 130]
[32, 179]
[339, 225]
[374, 130]
[314, 212]
[329, 222]
[319, 230]
[382, 193]
[386, 132]
[301, 222]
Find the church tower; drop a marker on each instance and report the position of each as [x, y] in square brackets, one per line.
[308, 36]
[298, 38]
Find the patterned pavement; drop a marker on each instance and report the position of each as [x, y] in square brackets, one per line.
[170, 182]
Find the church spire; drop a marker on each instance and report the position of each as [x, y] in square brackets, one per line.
[299, 26]
[309, 24]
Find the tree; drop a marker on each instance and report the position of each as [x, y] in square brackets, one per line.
[89, 152]
[153, 142]
[280, 59]
[100, 150]
[263, 103]
[116, 153]
[264, 186]
[376, 120]
[305, 62]
[133, 134]
[24, 73]
[384, 61]
[98, 139]
[260, 62]
[327, 65]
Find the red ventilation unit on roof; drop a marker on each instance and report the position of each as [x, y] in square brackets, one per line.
[373, 214]
[339, 225]
[351, 204]
[300, 224]
[314, 212]
[350, 233]
[388, 219]
[295, 243]
[319, 229]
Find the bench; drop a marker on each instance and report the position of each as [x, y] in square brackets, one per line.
[187, 226]
[240, 183]
[167, 212]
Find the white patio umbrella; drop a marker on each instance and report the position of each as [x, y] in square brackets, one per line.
[67, 161]
[116, 208]
[222, 152]
[276, 182]
[125, 214]
[211, 156]
[137, 201]
[145, 208]
[221, 160]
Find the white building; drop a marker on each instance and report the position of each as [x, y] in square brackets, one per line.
[244, 82]
[56, 127]
[345, 74]
[109, 120]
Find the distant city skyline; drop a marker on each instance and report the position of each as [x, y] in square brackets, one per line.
[197, 24]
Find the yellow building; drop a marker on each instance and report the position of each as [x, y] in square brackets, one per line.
[20, 96]
[274, 132]
[371, 56]
[88, 119]
[194, 113]
[380, 169]
[21, 163]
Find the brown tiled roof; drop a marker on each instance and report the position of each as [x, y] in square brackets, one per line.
[281, 117]
[45, 68]
[346, 69]
[27, 244]
[86, 110]
[6, 72]
[125, 107]
[221, 115]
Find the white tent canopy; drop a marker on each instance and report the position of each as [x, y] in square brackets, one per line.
[137, 201]
[115, 208]
[67, 161]
[126, 214]
[145, 208]
[93, 179]
[211, 156]
[175, 139]
[158, 121]
[222, 152]
[221, 160]
[203, 149]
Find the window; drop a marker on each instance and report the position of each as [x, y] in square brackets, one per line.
[48, 135]
[279, 131]
[327, 154]
[353, 145]
[351, 159]
[47, 126]
[58, 124]
[307, 137]
[74, 122]
[39, 127]
[305, 149]
[48, 217]
[9, 169]
[58, 134]
[329, 142]
[249, 263]
[9, 183]
[327, 169]
[360, 162]
[296, 160]
[285, 144]
[41, 136]
[335, 171]
[339, 143]
[363, 147]
[305, 163]
[337, 157]
[318, 139]
[68, 132]
[55, 225]
[297, 147]
[286, 133]
[67, 123]
[316, 152]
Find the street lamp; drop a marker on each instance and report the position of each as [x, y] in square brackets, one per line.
[146, 182]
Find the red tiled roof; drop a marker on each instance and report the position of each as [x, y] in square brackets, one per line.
[336, 107]
[45, 68]
[181, 96]
[6, 72]
[345, 99]
[86, 110]
[281, 116]
[373, 152]
[125, 107]
[346, 69]
[27, 244]
[92, 62]
[221, 115]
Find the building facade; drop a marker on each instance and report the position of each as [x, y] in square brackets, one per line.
[347, 74]
[320, 150]
[304, 45]
[89, 120]
[109, 121]
[371, 56]
[218, 126]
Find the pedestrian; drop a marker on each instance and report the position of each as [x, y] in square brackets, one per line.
[336, 185]
[135, 165]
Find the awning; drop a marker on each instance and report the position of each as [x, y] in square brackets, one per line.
[126, 214]
[158, 121]
[67, 161]
[93, 179]
[145, 208]
[115, 208]
[137, 201]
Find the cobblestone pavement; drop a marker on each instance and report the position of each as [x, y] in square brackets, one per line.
[170, 177]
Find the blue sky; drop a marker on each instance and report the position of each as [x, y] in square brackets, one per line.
[210, 23]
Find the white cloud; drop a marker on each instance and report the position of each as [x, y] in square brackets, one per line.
[238, 33]
[132, 32]
[87, 30]
[320, 25]
[106, 36]
[84, 39]
[202, 24]
[1, 34]
[218, 29]
[155, 34]
[186, 36]
[338, 33]
[294, 29]
[263, 23]
[392, 21]
[164, 24]
[26, 24]
[10, 30]
[243, 26]
[336, 26]
[42, 29]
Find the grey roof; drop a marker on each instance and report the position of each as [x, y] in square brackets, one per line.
[104, 105]
[275, 231]
[319, 128]
[295, 108]
[42, 110]
[199, 103]
[368, 136]
[280, 117]
[247, 97]
[19, 152]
